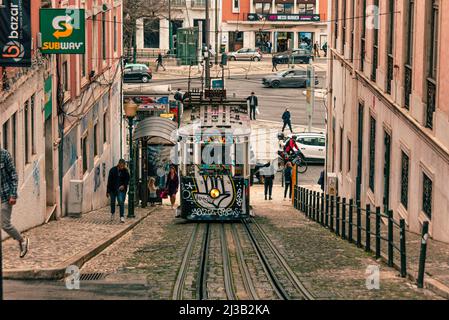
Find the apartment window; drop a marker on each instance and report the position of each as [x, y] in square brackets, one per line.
[409, 54]
[390, 47]
[284, 8]
[306, 8]
[103, 35]
[5, 135]
[341, 149]
[105, 127]
[262, 8]
[343, 38]
[427, 196]
[336, 24]
[372, 152]
[84, 147]
[235, 5]
[405, 165]
[352, 31]
[349, 155]
[96, 140]
[32, 124]
[65, 76]
[375, 43]
[363, 38]
[432, 63]
[115, 33]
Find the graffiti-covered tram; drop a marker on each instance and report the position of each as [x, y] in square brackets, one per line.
[213, 151]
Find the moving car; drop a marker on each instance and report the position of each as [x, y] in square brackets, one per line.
[137, 73]
[292, 78]
[299, 56]
[246, 54]
[312, 145]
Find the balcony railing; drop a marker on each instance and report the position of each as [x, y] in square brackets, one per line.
[389, 73]
[407, 86]
[198, 3]
[178, 3]
[431, 102]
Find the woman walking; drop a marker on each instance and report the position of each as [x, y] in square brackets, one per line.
[288, 180]
[172, 185]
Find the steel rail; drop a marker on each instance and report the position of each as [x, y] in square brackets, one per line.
[227, 268]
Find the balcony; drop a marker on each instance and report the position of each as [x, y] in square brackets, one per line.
[198, 3]
[431, 102]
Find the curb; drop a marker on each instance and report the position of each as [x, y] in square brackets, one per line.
[432, 284]
[78, 260]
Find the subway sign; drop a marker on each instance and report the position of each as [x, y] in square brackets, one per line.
[284, 17]
[63, 31]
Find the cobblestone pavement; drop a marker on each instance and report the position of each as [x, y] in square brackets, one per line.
[58, 241]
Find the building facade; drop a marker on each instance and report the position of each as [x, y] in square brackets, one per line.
[273, 25]
[153, 34]
[78, 138]
[387, 111]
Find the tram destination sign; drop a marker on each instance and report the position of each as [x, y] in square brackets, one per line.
[63, 31]
[284, 17]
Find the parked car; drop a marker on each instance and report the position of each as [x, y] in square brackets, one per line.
[246, 54]
[299, 56]
[312, 145]
[137, 73]
[292, 78]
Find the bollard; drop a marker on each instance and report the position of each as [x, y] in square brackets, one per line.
[301, 201]
[337, 217]
[332, 213]
[359, 224]
[317, 211]
[402, 248]
[378, 230]
[307, 202]
[322, 209]
[350, 214]
[312, 214]
[390, 238]
[310, 203]
[327, 210]
[368, 229]
[343, 219]
[295, 198]
[423, 253]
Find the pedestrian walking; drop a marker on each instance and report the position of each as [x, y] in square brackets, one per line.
[269, 46]
[118, 181]
[321, 180]
[274, 62]
[160, 62]
[8, 191]
[178, 95]
[268, 186]
[316, 49]
[152, 191]
[253, 103]
[172, 185]
[288, 180]
[286, 118]
[325, 49]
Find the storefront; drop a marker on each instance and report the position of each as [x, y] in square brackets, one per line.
[263, 41]
[235, 40]
[283, 41]
[306, 40]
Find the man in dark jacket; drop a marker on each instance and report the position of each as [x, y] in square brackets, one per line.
[118, 182]
[286, 118]
[253, 103]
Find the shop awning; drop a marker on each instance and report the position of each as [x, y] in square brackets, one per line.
[156, 130]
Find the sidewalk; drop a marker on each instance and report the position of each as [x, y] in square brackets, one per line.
[69, 241]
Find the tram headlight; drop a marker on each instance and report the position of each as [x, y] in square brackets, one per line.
[214, 193]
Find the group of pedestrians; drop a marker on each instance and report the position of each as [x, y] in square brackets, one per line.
[269, 180]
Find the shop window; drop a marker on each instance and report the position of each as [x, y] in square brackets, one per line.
[284, 8]
[306, 8]
[262, 8]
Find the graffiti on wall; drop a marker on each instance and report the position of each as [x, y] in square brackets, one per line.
[213, 197]
[36, 178]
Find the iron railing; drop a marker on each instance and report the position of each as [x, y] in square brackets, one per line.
[407, 86]
[367, 228]
[431, 102]
[198, 3]
[178, 3]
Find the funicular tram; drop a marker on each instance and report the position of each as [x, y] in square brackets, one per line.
[213, 150]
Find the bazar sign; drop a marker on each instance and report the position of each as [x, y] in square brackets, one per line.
[63, 31]
[283, 17]
[15, 33]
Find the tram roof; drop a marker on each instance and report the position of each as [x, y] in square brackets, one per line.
[157, 130]
[145, 89]
[193, 129]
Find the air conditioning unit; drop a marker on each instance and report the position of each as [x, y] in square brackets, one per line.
[332, 184]
[75, 204]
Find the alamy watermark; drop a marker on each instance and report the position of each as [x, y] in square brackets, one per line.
[373, 277]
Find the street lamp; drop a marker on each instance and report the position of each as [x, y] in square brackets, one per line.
[130, 109]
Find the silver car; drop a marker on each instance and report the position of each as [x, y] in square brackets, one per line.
[245, 54]
[288, 79]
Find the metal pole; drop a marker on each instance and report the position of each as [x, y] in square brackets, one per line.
[216, 32]
[403, 250]
[170, 30]
[135, 42]
[1, 265]
[390, 238]
[207, 59]
[422, 254]
[131, 171]
[378, 232]
[368, 228]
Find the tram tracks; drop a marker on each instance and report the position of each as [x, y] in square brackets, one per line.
[252, 250]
